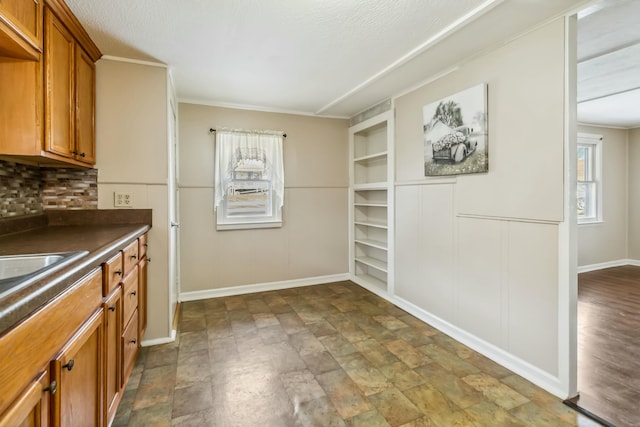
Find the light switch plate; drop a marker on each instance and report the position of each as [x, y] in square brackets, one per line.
[122, 199]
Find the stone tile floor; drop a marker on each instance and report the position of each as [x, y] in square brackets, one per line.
[326, 355]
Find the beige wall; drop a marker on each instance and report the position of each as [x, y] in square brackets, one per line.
[131, 139]
[313, 239]
[607, 241]
[480, 252]
[634, 194]
[131, 122]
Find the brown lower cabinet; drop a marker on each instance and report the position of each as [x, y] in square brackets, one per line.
[78, 372]
[31, 409]
[67, 364]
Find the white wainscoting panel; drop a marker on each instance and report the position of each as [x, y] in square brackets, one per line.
[479, 264]
[533, 293]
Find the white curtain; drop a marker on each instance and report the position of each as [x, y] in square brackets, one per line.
[251, 147]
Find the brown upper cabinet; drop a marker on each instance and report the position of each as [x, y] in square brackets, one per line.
[70, 94]
[21, 29]
[48, 105]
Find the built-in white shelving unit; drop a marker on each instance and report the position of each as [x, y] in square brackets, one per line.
[371, 203]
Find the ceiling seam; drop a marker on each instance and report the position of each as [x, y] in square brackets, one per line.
[430, 42]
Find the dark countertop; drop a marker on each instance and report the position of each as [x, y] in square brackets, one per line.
[102, 234]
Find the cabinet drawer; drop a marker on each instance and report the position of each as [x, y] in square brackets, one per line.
[131, 295]
[130, 347]
[142, 246]
[112, 271]
[130, 254]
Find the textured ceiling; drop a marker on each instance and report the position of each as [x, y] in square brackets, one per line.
[609, 64]
[328, 57]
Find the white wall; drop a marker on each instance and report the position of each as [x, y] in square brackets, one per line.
[131, 139]
[311, 244]
[606, 242]
[478, 254]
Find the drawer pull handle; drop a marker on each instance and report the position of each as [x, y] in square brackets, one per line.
[112, 308]
[53, 387]
[133, 341]
[134, 256]
[146, 245]
[75, 153]
[148, 259]
[82, 154]
[118, 272]
[69, 365]
[133, 293]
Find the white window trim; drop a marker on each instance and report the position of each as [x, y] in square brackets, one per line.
[595, 141]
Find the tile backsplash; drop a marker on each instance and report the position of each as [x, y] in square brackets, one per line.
[27, 190]
[69, 188]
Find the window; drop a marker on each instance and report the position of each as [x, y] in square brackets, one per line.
[249, 179]
[589, 174]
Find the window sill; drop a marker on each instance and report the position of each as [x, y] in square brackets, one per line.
[248, 225]
[590, 222]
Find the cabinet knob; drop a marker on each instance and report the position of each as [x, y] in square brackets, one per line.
[133, 341]
[133, 293]
[134, 256]
[53, 387]
[148, 259]
[82, 154]
[118, 272]
[146, 245]
[112, 308]
[75, 153]
[69, 365]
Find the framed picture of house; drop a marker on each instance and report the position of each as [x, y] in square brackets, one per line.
[455, 133]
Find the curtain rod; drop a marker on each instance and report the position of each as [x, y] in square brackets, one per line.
[212, 130]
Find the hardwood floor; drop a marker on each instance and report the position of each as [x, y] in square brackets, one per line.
[609, 344]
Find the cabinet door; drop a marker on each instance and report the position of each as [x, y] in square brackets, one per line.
[113, 331]
[59, 96]
[130, 295]
[85, 72]
[31, 408]
[130, 346]
[142, 297]
[78, 371]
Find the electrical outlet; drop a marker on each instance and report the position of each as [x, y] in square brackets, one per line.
[122, 200]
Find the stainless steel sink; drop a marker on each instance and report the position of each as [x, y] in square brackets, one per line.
[19, 270]
[20, 265]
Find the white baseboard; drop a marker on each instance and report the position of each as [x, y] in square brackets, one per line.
[521, 367]
[158, 341]
[608, 264]
[262, 287]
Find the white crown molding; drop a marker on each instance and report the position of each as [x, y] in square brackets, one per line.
[604, 126]
[256, 108]
[134, 61]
